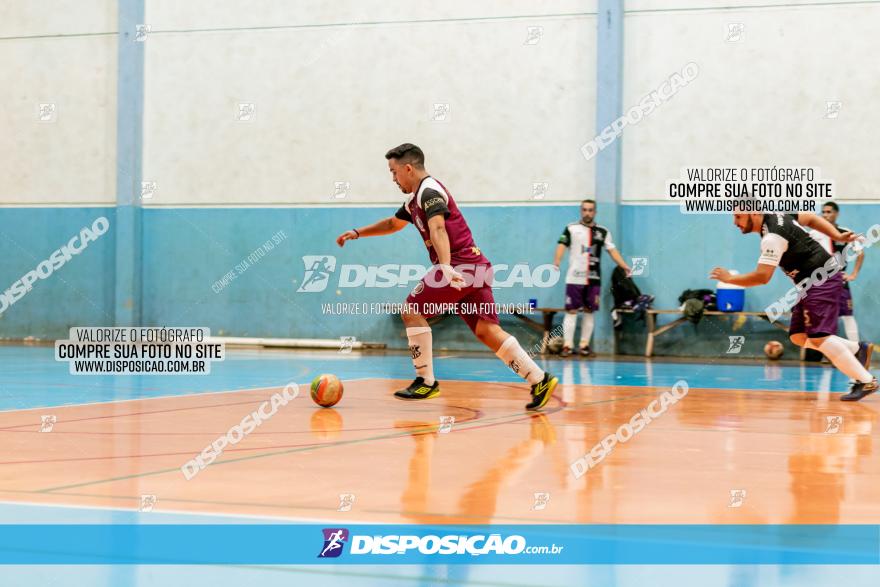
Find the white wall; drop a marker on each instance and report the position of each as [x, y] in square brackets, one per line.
[757, 102]
[70, 160]
[331, 99]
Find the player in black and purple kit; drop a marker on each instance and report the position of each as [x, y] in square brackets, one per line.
[830, 211]
[785, 243]
[446, 235]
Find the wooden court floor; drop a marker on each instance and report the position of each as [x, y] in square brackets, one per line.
[716, 457]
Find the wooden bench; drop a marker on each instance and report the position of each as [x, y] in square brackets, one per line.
[650, 318]
[654, 332]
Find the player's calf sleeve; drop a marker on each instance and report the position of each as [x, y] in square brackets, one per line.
[420, 347]
[587, 328]
[569, 323]
[519, 361]
[836, 350]
[850, 327]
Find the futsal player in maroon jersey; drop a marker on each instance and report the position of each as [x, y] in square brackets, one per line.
[432, 210]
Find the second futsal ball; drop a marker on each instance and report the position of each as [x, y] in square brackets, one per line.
[773, 349]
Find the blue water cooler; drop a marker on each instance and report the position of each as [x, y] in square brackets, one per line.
[730, 298]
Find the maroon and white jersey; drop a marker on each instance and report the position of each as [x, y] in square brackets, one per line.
[430, 199]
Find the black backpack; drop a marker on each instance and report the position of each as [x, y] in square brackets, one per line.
[623, 288]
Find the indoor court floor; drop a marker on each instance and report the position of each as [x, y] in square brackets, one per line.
[749, 444]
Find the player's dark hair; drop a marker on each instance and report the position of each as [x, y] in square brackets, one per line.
[593, 202]
[407, 153]
[834, 206]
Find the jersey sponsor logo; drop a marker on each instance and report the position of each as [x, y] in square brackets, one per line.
[419, 224]
[433, 202]
[771, 256]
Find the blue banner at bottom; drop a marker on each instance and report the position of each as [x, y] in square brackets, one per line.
[297, 544]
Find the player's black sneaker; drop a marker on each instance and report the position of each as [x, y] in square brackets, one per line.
[542, 391]
[586, 351]
[565, 352]
[860, 390]
[864, 354]
[419, 390]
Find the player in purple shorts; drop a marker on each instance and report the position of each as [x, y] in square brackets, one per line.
[830, 212]
[584, 240]
[785, 243]
[461, 275]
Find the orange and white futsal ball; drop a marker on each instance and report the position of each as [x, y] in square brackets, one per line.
[326, 390]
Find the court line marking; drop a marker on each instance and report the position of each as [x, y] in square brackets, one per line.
[278, 518]
[517, 386]
[477, 415]
[180, 395]
[247, 389]
[376, 511]
[514, 418]
[15, 427]
[162, 512]
[428, 429]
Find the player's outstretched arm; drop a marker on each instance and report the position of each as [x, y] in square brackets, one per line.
[761, 275]
[811, 220]
[385, 226]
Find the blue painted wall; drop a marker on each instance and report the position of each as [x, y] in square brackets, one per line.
[187, 250]
[80, 293]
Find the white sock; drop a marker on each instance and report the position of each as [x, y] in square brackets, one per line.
[421, 351]
[519, 361]
[851, 345]
[569, 323]
[850, 327]
[841, 357]
[587, 329]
